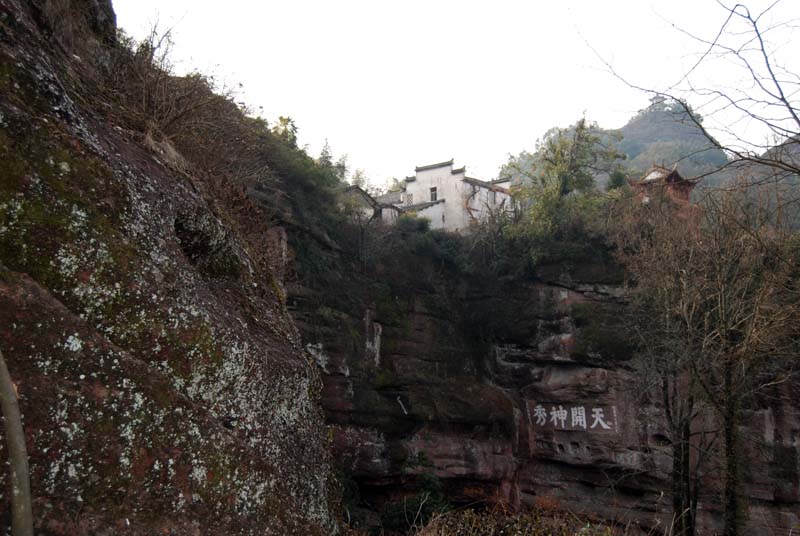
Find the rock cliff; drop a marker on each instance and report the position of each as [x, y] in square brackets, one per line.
[166, 387]
[550, 412]
[163, 385]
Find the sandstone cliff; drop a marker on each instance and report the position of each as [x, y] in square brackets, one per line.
[166, 389]
[416, 379]
[163, 384]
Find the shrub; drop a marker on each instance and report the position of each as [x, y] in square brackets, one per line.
[535, 523]
[412, 513]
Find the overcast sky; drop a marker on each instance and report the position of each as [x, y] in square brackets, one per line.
[399, 84]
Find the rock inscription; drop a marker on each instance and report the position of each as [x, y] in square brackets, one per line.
[575, 418]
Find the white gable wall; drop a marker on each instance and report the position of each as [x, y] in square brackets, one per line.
[434, 213]
[481, 201]
[389, 215]
[440, 178]
[458, 196]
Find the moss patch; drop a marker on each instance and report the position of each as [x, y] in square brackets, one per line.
[601, 333]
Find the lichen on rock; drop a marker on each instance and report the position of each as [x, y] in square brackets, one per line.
[162, 381]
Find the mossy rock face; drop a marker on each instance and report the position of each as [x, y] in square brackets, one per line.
[115, 441]
[601, 335]
[464, 402]
[162, 381]
[587, 271]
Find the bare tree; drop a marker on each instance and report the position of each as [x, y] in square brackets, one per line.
[721, 284]
[159, 103]
[765, 97]
[652, 243]
[743, 87]
[750, 317]
[734, 302]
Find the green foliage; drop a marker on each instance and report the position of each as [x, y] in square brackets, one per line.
[209, 134]
[567, 160]
[561, 208]
[664, 133]
[410, 513]
[616, 180]
[325, 158]
[359, 179]
[563, 229]
[308, 186]
[570, 159]
[286, 130]
[601, 332]
[395, 185]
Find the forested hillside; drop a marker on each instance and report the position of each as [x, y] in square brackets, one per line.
[662, 134]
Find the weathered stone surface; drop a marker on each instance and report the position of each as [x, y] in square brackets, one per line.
[163, 384]
[470, 408]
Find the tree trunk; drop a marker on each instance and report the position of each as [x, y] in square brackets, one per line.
[689, 491]
[683, 504]
[731, 491]
[677, 487]
[21, 512]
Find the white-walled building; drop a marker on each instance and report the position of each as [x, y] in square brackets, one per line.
[448, 197]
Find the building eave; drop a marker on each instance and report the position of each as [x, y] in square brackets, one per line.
[664, 175]
[361, 192]
[421, 206]
[487, 185]
[434, 166]
[476, 182]
[392, 207]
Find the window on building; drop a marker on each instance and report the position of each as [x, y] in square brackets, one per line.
[433, 194]
[409, 199]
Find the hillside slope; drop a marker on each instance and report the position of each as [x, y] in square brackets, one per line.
[664, 134]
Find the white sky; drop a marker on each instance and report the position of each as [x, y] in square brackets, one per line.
[399, 84]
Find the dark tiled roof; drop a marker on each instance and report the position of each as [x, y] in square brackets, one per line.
[390, 197]
[421, 206]
[462, 169]
[434, 166]
[477, 182]
[483, 184]
[355, 190]
[392, 207]
[661, 174]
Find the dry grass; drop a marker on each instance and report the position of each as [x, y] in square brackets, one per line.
[537, 522]
[197, 129]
